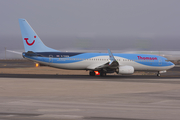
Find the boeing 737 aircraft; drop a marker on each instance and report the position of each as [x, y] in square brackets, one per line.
[96, 63]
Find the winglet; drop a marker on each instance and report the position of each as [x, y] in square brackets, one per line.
[111, 57]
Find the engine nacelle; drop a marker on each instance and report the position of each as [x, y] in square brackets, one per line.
[126, 69]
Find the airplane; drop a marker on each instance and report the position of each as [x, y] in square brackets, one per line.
[95, 63]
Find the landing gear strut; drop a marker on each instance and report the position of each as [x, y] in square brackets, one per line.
[92, 73]
[158, 74]
[102, 73]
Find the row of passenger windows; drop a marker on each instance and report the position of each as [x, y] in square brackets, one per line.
[105, 59]
[82, 59]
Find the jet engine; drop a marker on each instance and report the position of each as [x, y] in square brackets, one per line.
[126, 70]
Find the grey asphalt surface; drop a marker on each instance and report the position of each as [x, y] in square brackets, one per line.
[74, 99]
[83, 97]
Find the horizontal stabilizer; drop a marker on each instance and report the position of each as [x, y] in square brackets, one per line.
[14, 52]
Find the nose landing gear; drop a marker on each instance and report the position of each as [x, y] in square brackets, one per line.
[158, 74]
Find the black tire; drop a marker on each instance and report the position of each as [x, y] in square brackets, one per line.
[92, 73]
[102, 74]
[158, 74]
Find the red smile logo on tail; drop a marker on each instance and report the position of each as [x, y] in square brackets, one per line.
[26, 39]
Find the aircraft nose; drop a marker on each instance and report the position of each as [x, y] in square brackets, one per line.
[172, 64]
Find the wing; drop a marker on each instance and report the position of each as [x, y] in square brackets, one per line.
[112, 64]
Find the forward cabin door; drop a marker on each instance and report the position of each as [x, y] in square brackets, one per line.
[160, 61]
[50, 58]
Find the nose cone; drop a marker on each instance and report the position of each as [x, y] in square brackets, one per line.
[171, 64]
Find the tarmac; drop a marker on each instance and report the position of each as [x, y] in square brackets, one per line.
[78, 96]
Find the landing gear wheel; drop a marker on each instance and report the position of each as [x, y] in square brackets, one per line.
[158, 74]
[102, 74]
[92, 73]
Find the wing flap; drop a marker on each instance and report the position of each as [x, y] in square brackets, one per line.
[97, 66]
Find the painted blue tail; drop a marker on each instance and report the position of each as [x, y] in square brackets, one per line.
[31, 40]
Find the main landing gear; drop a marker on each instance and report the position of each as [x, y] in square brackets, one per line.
[93, 73]
[102, 74]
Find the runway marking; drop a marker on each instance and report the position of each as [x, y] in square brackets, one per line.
[58, 110]
[18, 114]
[55, 116]
[112, 118]
[77, 106]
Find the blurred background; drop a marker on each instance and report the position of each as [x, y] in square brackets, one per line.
[133, 26]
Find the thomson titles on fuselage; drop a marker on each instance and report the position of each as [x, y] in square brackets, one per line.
[147, 58]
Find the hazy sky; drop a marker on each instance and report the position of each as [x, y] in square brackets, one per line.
[94, 24]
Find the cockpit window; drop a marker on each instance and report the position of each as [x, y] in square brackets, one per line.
[167, 60]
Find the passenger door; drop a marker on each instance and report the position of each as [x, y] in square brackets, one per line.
[50, 58]
[160, 61]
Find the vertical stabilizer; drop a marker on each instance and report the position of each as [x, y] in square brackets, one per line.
[31, 40]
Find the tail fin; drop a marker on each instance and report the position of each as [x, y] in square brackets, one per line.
[30, 39]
